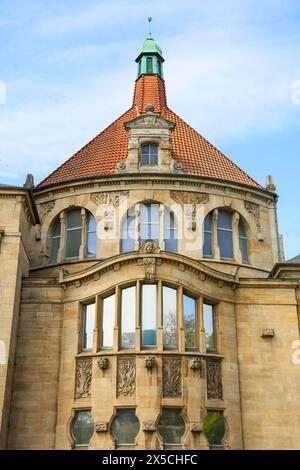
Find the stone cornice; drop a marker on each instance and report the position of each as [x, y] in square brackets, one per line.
[14, 192]
[149, 261]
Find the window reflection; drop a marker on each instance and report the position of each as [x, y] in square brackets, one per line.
[149, 314]
[225, 234]
[128, 312]
[108, 321]
[88, 326]
[55, 241]
[209, 326]
[91, 236]
[171, 426]
[82, 428]
[74, 231]
[190, 322]
[125, 427]
[149, 222]
[170, 318]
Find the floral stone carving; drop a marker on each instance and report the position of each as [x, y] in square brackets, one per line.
[126, 377]
[83, 378]
[171, 377]
[214, 378]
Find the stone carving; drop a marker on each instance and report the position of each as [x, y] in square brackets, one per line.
[178, 166]
[254, 210]
[189, 200]
[171, 377]
[46, 208]
[214, 378]
[126, 377]
[103, 363]
[149, 108]
[83, 378]
[196, 363]
[268, 333]
[149, 247]
[196, 427]
[101, 427]
[149, 426]
[149, 362]
[121, 166]
[111, 198]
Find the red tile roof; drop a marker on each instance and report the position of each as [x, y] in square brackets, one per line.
[102, 154]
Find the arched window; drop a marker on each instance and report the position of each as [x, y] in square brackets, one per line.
[207, 236]
[243, 242]
[149, 66]
[225, 240]
[76, 222]
[149, 154]
[143, 222]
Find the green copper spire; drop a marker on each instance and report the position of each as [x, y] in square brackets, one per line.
[149, 57]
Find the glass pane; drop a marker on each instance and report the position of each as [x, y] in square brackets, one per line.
[243, 249]
[171, 426]
[82, 428]
[56, 229]
[149, 222]
[207, 222]
[190, 321]
[225, 244]
[208, 318]
[149, 65]
[207, 244]
[128, 232]
[242, 232]
[74, 219]
[125, 427]
[73, 243]
[54, 249]
[214, 427]
[170, 317]
[91, 243]
[128, 317]
[108, 321]
[170, 232]
[224, 220]
[88, 325]
[149, 314]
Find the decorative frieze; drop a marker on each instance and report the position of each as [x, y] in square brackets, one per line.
[214, 378]
[126, 377]
[83, 379]
[172, 377]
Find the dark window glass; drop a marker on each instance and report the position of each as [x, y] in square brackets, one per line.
[170, 231]
[88, 326]
[225, 235]
[140, 67]
[82, 428]
[108, 321]
[128, 231]
[243, 242]
[149, 314]
[171, 426]
[149, 65]
[91, 235]
[125, 427]
[55, 241]
[207, 235]
[170, 333]
[74, 231]
[149, 154]
[149, 222]
[214, 428]
[159, 67]
[190, 322]
[209, 326]
[128, 317]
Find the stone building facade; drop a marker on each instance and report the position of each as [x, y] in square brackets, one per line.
[145, 302]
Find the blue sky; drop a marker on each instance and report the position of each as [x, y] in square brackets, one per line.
[68, 68]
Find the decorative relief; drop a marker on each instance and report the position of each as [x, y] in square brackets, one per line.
[196, 427]
[149, 247]
[254, 210]
[196, 363]
[149, 362]
[101, 427]
[111, 198]
[171, 377]
[189, 200]
[103, 363]
[126, 377]
[149, 426]
[83, 378]
[46, 208]
[214, 378]
[268, 333]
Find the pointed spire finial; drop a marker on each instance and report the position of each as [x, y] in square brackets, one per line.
[149, 19]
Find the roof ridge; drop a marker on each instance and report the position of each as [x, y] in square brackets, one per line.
[86, 145]
[215, 148]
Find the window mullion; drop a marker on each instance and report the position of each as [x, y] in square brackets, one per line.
[159, 317]
[96, 326]
[138, 316]
[137, 213]
[216, 249]
[237, 256]
[181, 338]
[162, 226]
[117, 327]
[82, 248]
[61, 251]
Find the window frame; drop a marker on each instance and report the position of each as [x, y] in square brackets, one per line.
[215, 313]
[149, 154]
[83, 305]
[140, 314]
[70, 430]
[124, 408]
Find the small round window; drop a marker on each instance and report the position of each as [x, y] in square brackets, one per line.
[214, 428]
[171, 426]
[125, 427]
[82, 428]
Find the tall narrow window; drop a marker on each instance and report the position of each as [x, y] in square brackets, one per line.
[243, 242]
[214, 428]
[149, 154]
[209, 326]
[171, 427]
[149, 65]
[91, 235]
[170, 318]
[88, 326]
[108, 321]
[207, 236]
[125, 427]
[128, 318]
[149, 222]
[225, 234]
[139, 68]
[190, 322]
[159, 67]
[149, 314]
[82, 428]
[128, 231]
[170, 232]
[73, 235]
[55, 241]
